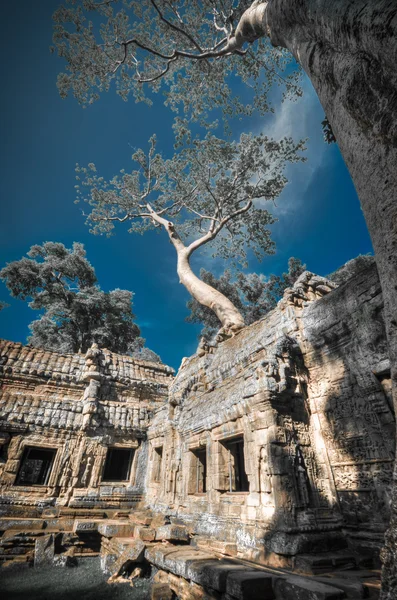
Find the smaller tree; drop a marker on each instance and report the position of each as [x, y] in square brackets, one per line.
[76, 312]
[254, 295]
[211, 193]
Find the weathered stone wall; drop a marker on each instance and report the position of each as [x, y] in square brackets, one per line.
[305, 393]
[275, 444]
[77, 406]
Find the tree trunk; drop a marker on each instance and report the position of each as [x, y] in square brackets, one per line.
[230, 318]
[348, 48]
[227, 313]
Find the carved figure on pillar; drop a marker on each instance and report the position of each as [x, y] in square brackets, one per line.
[265, 476]
[93, 376]
[302, 479]
[87, 471]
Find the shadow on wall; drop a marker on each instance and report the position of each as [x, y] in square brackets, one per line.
[350, 392]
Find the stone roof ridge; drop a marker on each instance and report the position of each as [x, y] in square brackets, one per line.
[16, 358]
[307, 288]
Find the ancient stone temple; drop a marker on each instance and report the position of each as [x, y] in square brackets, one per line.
[272, 450]
[74, 427]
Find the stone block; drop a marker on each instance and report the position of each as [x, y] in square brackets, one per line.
[112, 528]
[212, 573]
[44, 551]
[249, 585]
[254, 499]
[353, 588]
[86, 525]
[21, 524]
[174, 559]
[251, 513]
[107, 563]
[322, 562]
[298, 588]
[146, 534]
[66, 559]
[223, 547]
[172, 533]
[134, 551]
[161, 591]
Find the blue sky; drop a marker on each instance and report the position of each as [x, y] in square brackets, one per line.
[320, 220]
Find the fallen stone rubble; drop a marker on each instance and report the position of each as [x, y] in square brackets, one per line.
[181, 565]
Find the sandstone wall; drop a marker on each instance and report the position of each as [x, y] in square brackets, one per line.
[77, 406]
[304, 393]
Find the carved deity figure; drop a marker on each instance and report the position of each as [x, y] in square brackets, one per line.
[302, 480]
[265, 476]
[87, 471]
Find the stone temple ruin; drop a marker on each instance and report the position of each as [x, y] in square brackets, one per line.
[264, 460]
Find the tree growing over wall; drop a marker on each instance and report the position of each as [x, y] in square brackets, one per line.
[348, 50]
[210, 193]
[252, 294]
[76, 312]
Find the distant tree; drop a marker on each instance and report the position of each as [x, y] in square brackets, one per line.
[254, 295]
[76, 312]
[211, 192]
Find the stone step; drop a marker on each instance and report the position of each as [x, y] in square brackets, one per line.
[353, 588]
[324, 562]
[301, 588]
[245, 585]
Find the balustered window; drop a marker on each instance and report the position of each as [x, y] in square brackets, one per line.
[36, 465]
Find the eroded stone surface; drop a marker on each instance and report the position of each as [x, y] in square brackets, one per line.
[276, 446]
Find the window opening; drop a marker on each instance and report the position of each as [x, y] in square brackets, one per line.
[238, 480]
[198, 471]
[118, 464]
[157, 462]
[35, 467]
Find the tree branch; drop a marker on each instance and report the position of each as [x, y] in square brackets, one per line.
[212, 234]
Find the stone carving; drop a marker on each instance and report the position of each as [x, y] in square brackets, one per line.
[87, 471]
[301, 478]
[298, 431]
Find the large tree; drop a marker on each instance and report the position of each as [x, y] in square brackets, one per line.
[348, 48]
[62, 284]
[252, 294]
[210, 193]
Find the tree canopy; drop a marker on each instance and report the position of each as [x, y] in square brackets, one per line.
[253, 295]
[75, 312]
[211, 192]
[136, 46]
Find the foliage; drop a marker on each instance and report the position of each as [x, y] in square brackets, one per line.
[76, 312]
[139, 45]
[252, 294]
[3, 305]
[212, 191]
[328, 134]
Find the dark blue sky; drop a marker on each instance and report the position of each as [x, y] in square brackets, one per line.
[320, 220]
